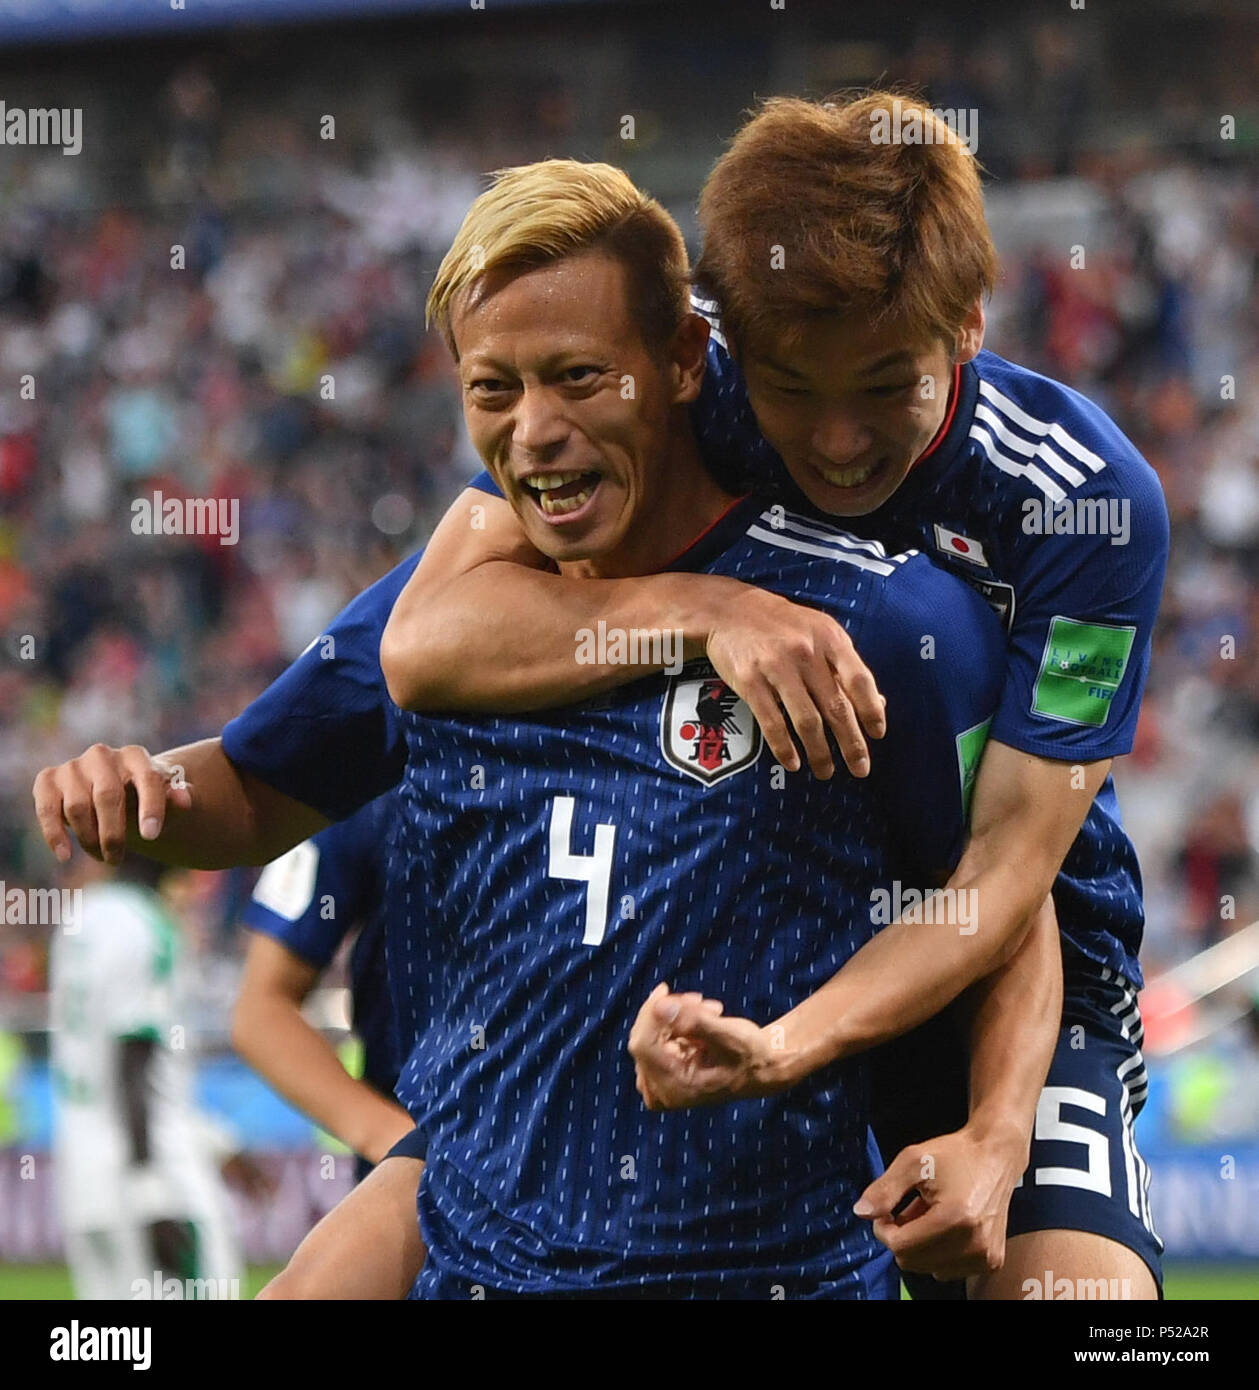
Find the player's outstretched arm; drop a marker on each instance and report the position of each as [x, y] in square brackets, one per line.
[1025, 815]
[189, 806]
[269, 1032]
[956, 1226]
[485, 625]
[367, 1247]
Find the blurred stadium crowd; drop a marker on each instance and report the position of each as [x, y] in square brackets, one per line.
[309, 257]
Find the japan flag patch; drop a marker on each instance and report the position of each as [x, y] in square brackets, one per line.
[960, 547]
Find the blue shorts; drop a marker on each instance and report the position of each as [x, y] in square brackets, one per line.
[1085, 1172]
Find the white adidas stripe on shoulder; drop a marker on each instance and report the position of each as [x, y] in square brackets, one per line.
[826, 552]
[790, 530]
[1041, 428]
[709, 309]
[1044, 450]
[820, 531]
[1032, 472]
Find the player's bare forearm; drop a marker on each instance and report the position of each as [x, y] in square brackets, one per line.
[1026, 813]
[189, 806]
[956, 1225]
[269, 1032]
[1015, 1015]
[474, 652]
[300, 1064]
[897, 980]
[484, 625]
[234, 819]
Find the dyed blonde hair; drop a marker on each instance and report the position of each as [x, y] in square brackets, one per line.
[538, 213]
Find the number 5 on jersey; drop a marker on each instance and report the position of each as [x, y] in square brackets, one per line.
[594, 870]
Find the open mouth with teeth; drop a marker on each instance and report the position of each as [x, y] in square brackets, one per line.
[560, 494]
[850, 477]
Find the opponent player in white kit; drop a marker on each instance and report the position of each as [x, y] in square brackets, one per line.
[144, 1209]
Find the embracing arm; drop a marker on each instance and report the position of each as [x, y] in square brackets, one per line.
[1025, 815]
[1027, 811]
[1015, 1017]
[486, 625]
[482, 591]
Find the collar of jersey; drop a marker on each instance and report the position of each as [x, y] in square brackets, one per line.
[947, 446]
[957, 421]
[718, 535]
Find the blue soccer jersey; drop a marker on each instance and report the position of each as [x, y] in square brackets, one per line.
[313, 897]
[1036, 498]
[325, 731]
[563, 863]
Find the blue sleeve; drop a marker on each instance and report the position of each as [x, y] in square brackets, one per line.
[1080, 643]
[311, 897]
[937, 652]
[484, 483]
[325, 732]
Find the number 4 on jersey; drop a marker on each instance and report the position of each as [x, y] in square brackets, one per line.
[594, 870]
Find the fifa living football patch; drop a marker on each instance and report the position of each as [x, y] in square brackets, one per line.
[970, 747]
[1080, 670]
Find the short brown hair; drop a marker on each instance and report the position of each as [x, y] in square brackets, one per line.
[886, 230]
[537, 213]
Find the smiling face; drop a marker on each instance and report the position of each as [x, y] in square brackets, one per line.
[850, 408]
[577, 419]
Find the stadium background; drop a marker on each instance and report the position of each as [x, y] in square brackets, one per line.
[1100, 128]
